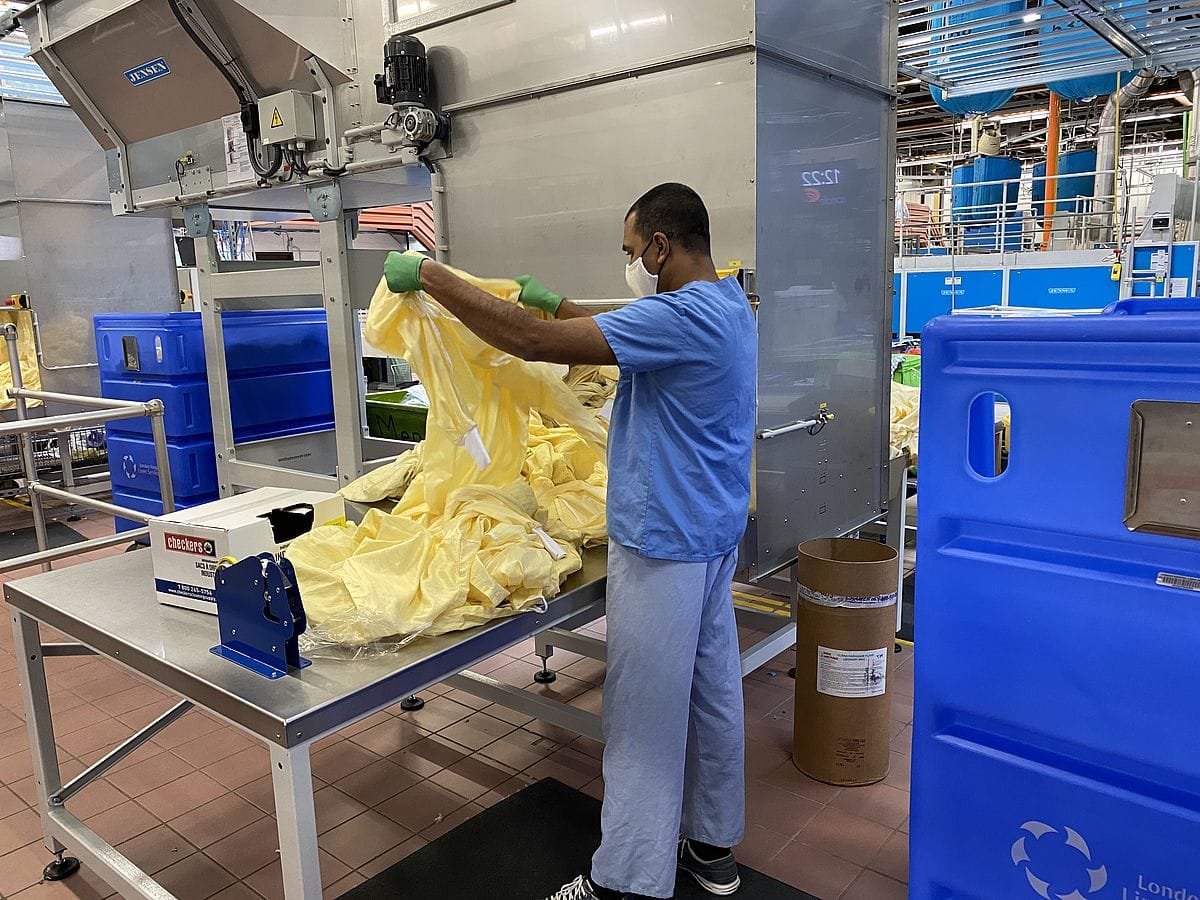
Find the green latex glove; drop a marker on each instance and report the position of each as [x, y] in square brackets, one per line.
[535, 295]
[403, 272]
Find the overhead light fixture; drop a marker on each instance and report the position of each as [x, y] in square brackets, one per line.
[1032, 17]
[1031, 116]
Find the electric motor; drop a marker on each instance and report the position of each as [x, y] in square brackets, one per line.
[405, 78]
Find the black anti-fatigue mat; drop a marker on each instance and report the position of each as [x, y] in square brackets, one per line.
[23, 541]
[524, 848]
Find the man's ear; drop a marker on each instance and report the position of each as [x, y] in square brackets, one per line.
[662, 244]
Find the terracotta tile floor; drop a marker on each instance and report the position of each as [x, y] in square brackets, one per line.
[195, 807]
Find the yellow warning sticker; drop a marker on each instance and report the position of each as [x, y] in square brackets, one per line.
[277, 119]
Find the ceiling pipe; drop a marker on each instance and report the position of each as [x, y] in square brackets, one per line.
[1108, 144]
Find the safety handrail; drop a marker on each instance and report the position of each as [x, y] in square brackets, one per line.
[104, 410]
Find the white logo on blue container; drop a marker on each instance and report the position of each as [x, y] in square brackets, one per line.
[147, 72]
[1089, 878]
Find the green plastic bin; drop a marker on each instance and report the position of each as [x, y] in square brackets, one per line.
[908, 370]
[397, 415]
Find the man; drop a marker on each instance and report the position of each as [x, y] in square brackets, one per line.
[678, 496]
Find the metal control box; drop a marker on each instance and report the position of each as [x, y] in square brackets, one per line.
[287, 118]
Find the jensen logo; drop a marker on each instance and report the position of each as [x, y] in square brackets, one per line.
[147, 72]
[184, 543]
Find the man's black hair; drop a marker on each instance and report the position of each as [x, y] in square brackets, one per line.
[678, 212]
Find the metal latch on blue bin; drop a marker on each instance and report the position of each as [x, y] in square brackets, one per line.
[261, 615]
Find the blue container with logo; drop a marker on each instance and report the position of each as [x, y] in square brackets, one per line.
[279, 385]
[1057, 719]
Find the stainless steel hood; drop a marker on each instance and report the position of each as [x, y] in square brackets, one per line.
[131, 72]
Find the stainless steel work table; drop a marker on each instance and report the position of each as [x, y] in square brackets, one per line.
[109, 607]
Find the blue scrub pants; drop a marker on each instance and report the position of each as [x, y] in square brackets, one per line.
[673, 720]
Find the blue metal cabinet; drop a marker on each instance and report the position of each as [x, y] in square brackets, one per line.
[932, 294]
[1085, 287]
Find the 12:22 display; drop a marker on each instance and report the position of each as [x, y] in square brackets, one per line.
[821, 177]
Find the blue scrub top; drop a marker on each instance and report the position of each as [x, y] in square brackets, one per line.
[682, 432]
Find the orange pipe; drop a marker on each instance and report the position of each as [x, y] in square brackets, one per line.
[1052, 137]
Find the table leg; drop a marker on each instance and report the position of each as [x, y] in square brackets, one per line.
[897, 534]
[291, 772]
[27, 646]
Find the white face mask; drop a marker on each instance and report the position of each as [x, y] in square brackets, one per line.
[639, 279]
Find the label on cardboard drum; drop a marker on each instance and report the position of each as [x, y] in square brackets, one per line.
[852, 673]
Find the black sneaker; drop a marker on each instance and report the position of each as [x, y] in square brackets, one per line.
[579, 889]
[719, 876]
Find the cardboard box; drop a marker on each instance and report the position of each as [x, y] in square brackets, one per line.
[187, 545]
[845, 640]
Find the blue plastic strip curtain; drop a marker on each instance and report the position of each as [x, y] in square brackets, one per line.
[1055, 39]
[982, 103]
[1086, 88]
[974, 105]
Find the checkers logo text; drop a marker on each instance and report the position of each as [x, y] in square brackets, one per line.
[184, 543]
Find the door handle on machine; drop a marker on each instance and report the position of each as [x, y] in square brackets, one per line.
[813, 426]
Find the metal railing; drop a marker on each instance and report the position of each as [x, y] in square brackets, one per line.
[101, 411]
[928, 222]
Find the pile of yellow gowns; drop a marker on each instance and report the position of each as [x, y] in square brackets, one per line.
[388, 482]
[31, 372]
[593, 385]
[493, 506]
[570, 485]
[906, 420]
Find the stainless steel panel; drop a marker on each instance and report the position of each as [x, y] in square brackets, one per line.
[535, 42]
[73, 276]
[439, 14]
[856, 38]
[366, 269]
[52, 157]
[60, 244]
[283, 33]
[152, 161]
[315, 452]
[824, 249]
[8, 184]
[1163, 483]
[544, 186]
[12, 252]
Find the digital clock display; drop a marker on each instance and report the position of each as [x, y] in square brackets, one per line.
[821, 177]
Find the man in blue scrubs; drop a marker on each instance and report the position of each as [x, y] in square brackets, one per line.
[679, 490]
